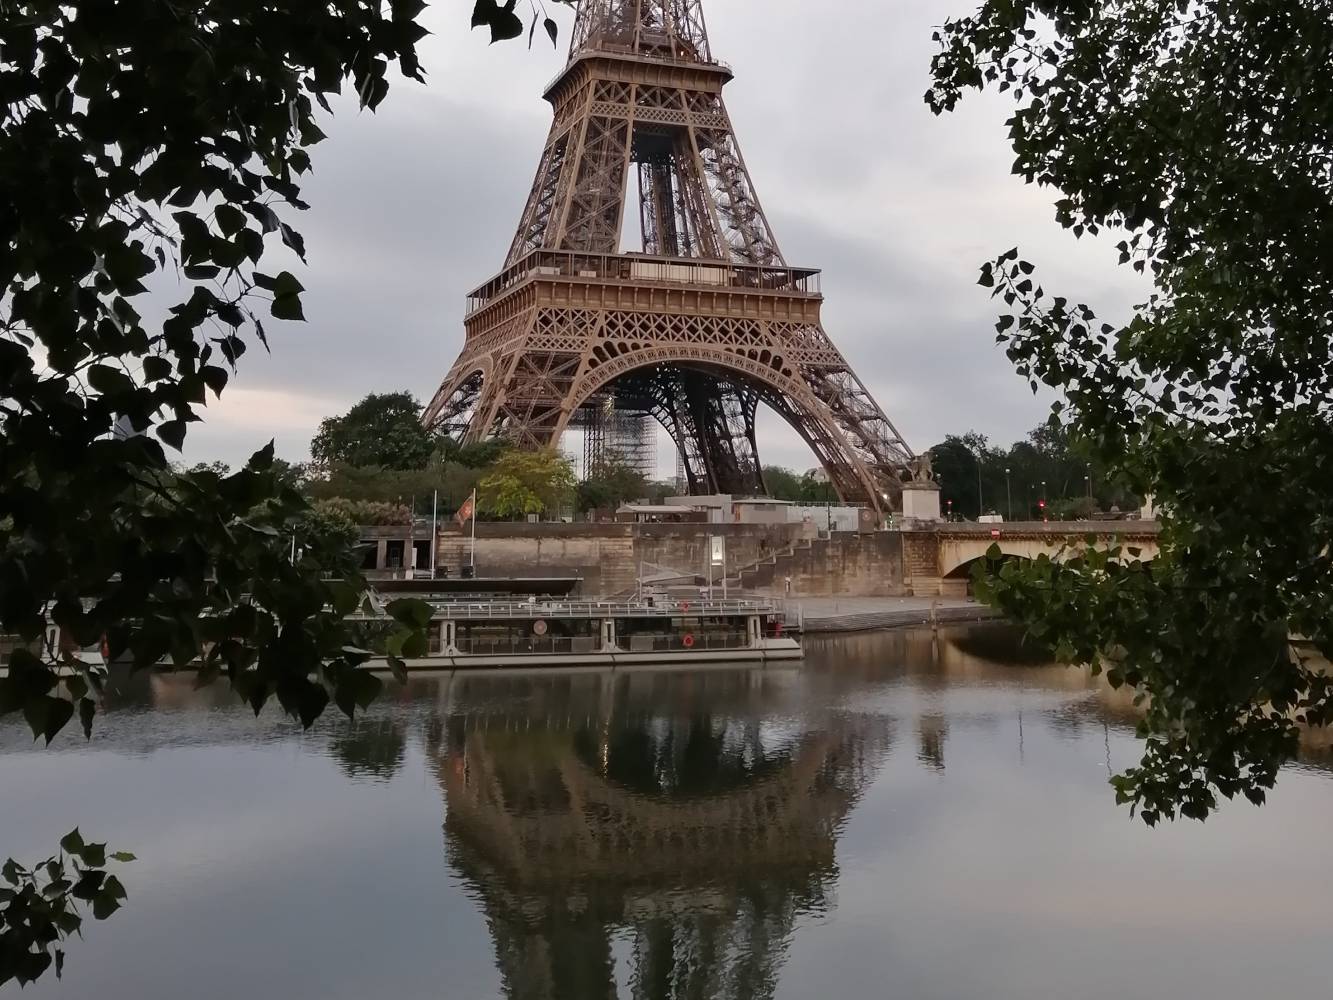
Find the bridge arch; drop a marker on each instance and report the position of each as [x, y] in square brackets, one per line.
[959, 552]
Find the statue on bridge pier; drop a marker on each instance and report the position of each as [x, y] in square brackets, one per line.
[921, 469]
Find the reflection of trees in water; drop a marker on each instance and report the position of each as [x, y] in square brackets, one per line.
[370, 747]
[605, 809]
[932, 731]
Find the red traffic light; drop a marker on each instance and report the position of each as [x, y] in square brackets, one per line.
[1041, 504]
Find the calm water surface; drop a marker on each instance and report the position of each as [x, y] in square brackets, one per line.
[903, 817]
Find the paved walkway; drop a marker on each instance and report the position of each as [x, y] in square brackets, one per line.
[853, 614]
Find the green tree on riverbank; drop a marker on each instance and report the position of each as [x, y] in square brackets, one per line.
[1201, 134]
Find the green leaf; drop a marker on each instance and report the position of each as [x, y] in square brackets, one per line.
[411, 611]
[214, 377]
[398, 668]
[123, 857]
[104, 905]
[47, 715]
[230, 220]
[356, 689]
[313, 700]
[287, 307]
[285, 284]
[172, 432]
[109, 381]
[72, 842]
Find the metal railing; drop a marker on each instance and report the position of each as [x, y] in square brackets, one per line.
[665, 642]
[713, 274]
[595, 45]
[523, 611]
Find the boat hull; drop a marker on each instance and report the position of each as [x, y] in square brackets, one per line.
[774, 651]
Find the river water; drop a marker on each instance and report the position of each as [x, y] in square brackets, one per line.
[905, 816]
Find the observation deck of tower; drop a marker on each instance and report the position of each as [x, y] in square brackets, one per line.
[694, 330]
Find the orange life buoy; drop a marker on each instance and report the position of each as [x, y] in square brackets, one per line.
[688, 641]
[684, 605]
[106, 649]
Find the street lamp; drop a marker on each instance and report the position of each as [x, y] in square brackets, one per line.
[1009, 494]
[981, 509]
[1042, 501]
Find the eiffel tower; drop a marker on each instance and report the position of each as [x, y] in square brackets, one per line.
[699, 328]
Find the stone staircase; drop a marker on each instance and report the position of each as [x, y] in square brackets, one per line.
[762, 573]
[921, 574]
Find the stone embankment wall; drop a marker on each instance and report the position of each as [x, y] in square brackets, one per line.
[607, 556]
[843, 565]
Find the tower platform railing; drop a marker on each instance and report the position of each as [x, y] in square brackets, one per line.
[643, 268]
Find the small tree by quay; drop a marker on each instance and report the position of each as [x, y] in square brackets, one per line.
[527, 482]
[1204, 133]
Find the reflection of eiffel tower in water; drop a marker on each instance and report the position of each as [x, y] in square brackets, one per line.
[695, 841]
[698, 329]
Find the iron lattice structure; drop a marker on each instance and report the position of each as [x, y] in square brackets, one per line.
[704, 324]
[614, 430]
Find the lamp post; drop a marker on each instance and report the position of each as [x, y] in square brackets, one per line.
[1008, 495]
[1042, 501]
[981, 508]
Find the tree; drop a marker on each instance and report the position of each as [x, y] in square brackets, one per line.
[1201, 132]
[783, 484]
[382, 430]
[817, 490]
[527, 482]
[476, 455]
[609, 483]
[452, 483]
[955, 465]
[338, 514]
[138, 147]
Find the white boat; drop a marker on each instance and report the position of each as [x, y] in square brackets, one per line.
[527, 634]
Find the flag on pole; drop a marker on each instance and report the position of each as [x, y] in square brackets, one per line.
[467, 511]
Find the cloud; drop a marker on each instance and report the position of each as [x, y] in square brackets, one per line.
[415, 205]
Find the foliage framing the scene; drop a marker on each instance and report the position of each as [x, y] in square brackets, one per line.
[1203, 133]
[144, 143]
[40, 907]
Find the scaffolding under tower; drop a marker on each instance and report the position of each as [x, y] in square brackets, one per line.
[616, 432]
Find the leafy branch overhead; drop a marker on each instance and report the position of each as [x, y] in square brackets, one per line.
[162, 151]
[41, 906]
[505, 23]
[1199, 136]
[166, 152]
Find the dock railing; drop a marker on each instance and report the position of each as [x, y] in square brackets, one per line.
[523, 611]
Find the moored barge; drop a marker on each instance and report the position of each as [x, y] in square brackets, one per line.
[562, 633]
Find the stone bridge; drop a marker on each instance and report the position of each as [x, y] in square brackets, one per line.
[939, 560]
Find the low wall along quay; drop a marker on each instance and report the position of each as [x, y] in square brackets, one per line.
[772, 559]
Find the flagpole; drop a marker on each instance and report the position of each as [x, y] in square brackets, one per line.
[434, 530]
[474, 533]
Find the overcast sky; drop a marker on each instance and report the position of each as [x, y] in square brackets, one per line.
[417, 204]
